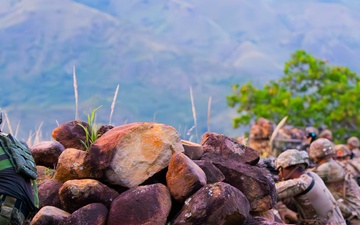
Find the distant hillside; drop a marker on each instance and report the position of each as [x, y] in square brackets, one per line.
[154, 51]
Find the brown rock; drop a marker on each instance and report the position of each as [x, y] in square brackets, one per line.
[128, 155]
[75, 194]
[94, 213]
[49, 215]
[49, 193]
[256, 183]
[73, 164]
[184, 177]
[218, 203]
[192, 150]
[149, 204]
[44, 174]
[262, 221]
[226, 147]
[103, 129]
[70, 134]
[213, 174]
[46, 153]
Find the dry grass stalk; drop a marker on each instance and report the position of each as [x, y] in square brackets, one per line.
[76, 95]
[193, 112]
[38, 135]
[209, 111]
[113, 103]
[17, 129]
[7, 120]
[30, 137]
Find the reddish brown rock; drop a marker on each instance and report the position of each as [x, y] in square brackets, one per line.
[70, 134]
[192, 150]
[218, 203]
[73, 164]
[49, 193]
[221, 145]
[94, 213]
[149, 204]
[255, 182]
[50, 215]
[44, 174]
[213, 174]
[46, 153]
[184, 177]
[130, 154]
[262, 221]
[103, 129]
[75, 194]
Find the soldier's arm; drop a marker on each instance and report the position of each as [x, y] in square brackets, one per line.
[290, 188]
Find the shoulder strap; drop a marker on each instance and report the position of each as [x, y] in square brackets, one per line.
[310, 186]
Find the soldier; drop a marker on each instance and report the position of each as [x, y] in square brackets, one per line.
[343, 155]
[16, 192]
[314, 202]
[337, 178]
[326, 134]
[353, 144]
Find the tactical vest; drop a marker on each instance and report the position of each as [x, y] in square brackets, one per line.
[19, 156]
[15, 154]
[4, 160]
[316, 205]
[313, 200]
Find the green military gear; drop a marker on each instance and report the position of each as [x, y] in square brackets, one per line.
[354, 141]
[292, 157]
[321, 148]
[19, 155]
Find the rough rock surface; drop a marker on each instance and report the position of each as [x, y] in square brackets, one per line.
[184, 177]
[128, 155]
[218, 203]
[149, 204]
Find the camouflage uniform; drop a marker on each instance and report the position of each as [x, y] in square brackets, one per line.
[343, 154]
[314, 202]
[354, 144]
[338, 180]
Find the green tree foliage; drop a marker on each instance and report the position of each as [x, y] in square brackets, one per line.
[311, 92]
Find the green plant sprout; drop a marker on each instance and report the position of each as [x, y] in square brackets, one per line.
[90, 133]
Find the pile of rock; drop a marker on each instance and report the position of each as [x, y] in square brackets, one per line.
[259, 136]
[142, 173]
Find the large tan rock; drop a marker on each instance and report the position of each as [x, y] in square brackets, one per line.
[218, 203]
[184, 177]
[148, 204]
[130, 154]
[70, 134]
[46, 153]
[220, 145]
[73, 164]
[50, 215]
[75, 194]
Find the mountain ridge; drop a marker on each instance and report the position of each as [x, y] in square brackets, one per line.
[156, 51]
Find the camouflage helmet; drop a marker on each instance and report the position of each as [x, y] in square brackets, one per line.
[354, 141]
[341, 150]
[291, 157]
[321, 148]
